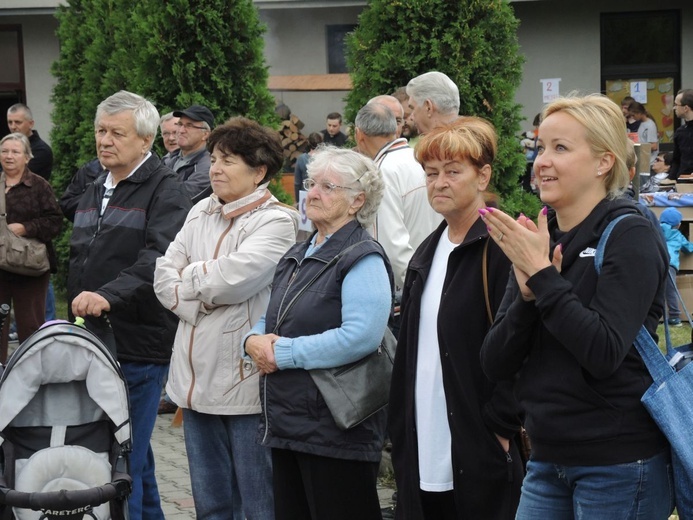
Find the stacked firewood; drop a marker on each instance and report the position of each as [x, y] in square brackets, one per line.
[293, 141]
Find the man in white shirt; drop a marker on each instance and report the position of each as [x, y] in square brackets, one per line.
[405, 217]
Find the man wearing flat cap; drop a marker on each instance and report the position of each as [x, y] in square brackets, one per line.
[192, 160]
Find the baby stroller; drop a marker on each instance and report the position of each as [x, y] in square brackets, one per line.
[64, 429]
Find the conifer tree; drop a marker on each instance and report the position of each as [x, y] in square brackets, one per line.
[203, 51]
[474, 42]
[173, 52]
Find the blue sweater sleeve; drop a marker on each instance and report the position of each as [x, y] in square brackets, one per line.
[364, 318]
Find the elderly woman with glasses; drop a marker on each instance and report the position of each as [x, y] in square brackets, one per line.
[321, 471]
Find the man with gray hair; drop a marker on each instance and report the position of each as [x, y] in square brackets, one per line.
[434, 100]
[169, 135]
[20, 119]
[125, 221]
[405, 217]
[192, 161]
[395, 107]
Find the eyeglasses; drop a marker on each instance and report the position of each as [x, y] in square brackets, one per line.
[166, 135]
[188, 126]
[659, 159]
[325, 187]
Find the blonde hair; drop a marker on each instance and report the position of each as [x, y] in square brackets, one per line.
[631, 156]
[24, 140]
[605, 129]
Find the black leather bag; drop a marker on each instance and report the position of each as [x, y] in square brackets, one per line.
[358, 390]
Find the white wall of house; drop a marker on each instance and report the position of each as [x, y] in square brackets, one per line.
[559, 39]
[296, 44]
[40, 51]
[562, 40]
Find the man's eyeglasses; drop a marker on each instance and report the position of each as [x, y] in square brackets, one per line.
[188, 126]
[324, 187]
[166, 135]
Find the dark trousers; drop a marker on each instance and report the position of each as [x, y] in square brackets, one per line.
[27, 295]
[438, 506]
[310, 487]
[672, 296]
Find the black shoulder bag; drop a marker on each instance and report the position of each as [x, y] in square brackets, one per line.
[355, 391]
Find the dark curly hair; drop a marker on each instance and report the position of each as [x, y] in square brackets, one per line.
[255, 144]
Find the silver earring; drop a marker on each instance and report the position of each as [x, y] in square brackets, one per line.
[599, 174]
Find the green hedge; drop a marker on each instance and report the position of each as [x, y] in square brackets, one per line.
[173, 52]
[474, 42]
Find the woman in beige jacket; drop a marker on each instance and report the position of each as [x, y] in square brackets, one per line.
[216, 278]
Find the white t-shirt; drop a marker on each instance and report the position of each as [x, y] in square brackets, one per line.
[432, 427]
[647, 133]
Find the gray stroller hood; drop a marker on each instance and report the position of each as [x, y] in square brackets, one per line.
[64, 410]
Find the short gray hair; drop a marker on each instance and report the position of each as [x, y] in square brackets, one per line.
[166, 117]
[17, 136]
[21, 106]
[351, 167]
[375, 119]
[145, 114]
[438, 88]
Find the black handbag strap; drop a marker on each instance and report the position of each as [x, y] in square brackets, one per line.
[3, 187]
[303, 289]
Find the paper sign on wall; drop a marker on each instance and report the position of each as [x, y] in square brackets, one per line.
[549, 89]
[638, 91]
[304, 224]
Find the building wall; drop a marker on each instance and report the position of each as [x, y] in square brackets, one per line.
[295, 44]
[561, 40]
[40, 51]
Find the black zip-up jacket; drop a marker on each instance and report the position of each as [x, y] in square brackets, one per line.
[486, 479]
[682, 161]
[115, 256]
[580, 378]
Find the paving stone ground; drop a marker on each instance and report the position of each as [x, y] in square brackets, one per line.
[173, 477]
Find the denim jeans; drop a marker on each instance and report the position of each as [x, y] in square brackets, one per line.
[229, 471]
[641, 490]
[144, 381]
[671, 295]
[50, 302]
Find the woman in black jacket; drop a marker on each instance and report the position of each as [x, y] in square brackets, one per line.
[568, 333]
[451, 428]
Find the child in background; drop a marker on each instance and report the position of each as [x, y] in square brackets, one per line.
[670, 220]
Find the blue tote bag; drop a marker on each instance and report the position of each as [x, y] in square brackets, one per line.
[669, 400]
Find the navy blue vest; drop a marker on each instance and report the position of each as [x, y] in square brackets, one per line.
[295, 415]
